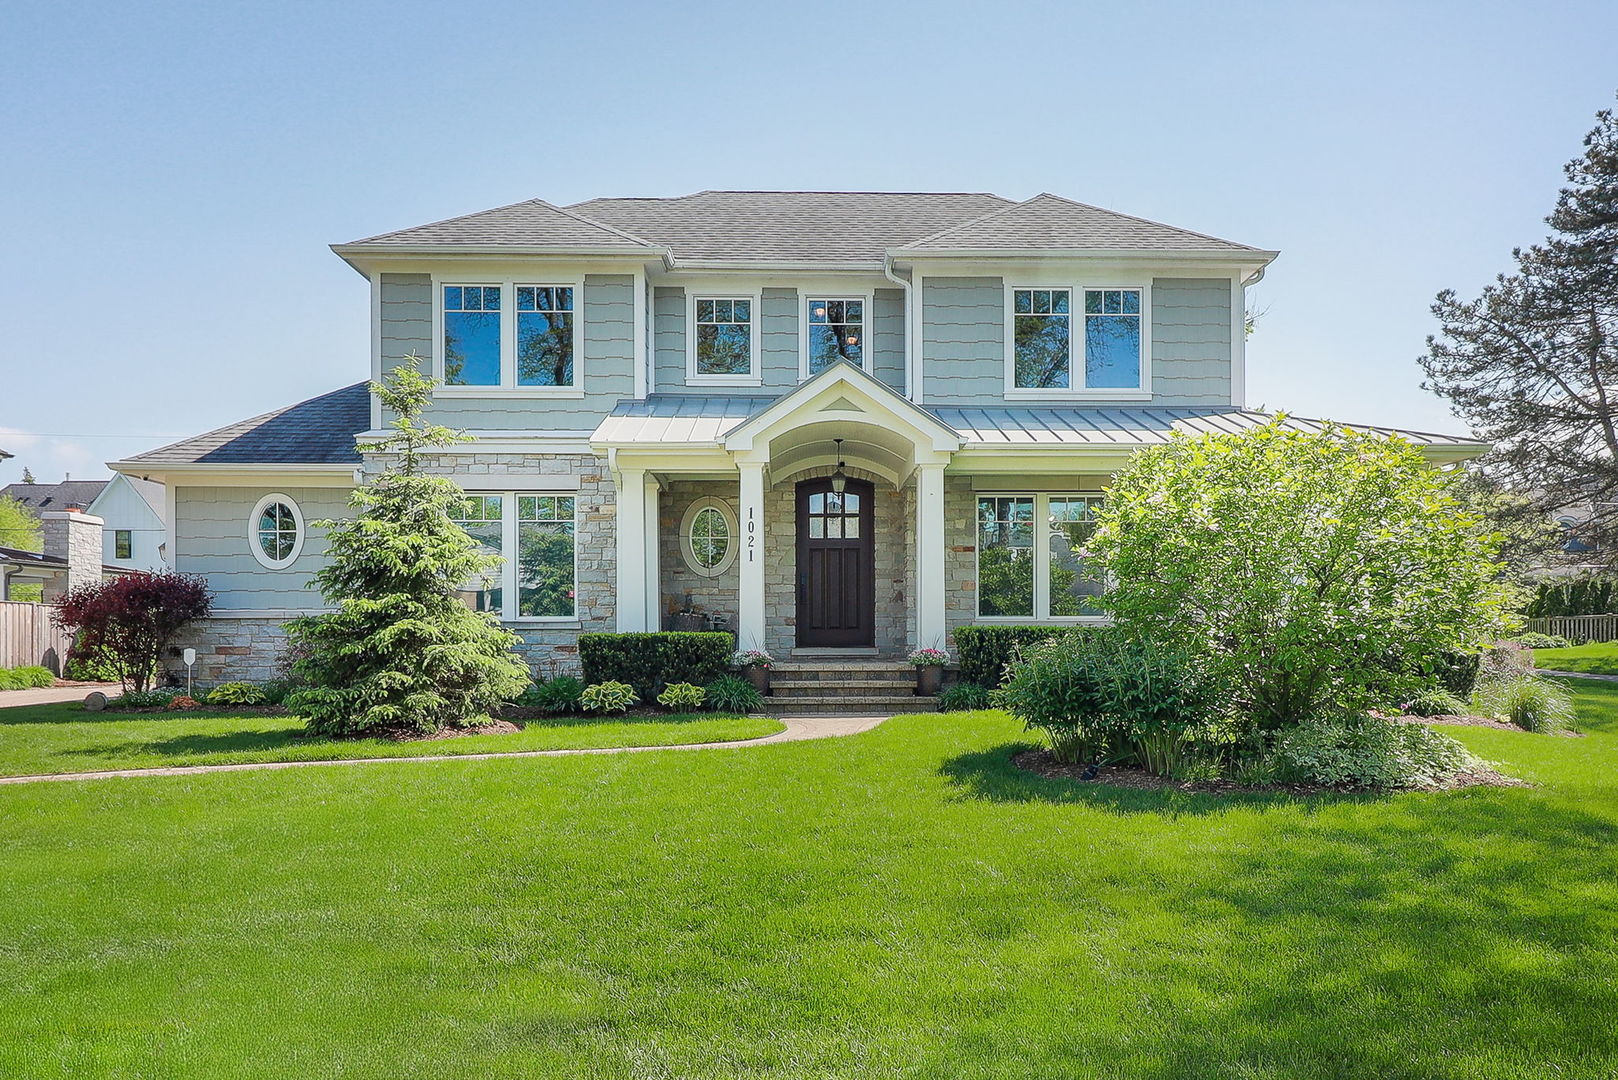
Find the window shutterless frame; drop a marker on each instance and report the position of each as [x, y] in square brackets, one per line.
[1076, 390]
[508, 385]
[255, 541]
[806, 306]
[510, 538]
[694, 302]
[1041, 555]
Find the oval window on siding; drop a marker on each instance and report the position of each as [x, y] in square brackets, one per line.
[708, 537]
[275, 531]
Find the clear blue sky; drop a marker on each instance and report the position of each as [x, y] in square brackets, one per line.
[171, 175]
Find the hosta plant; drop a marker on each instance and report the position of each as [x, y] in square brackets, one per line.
[608, 697]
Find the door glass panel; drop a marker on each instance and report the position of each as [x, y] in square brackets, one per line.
[851, 503]
[851, 528]
[817, 504]
[834, 528]
[817, 528]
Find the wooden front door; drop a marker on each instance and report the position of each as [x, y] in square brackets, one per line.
[836, 566]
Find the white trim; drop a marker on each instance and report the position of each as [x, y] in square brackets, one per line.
[867, 327]
[629, 526]
[1041, 554]
[728, 513]
[639, 349]
[750, 621]
[376, 347]
[755, 375]
[507, 387]
[1076, 390]
[257, 548]
[915, 310]
[931, 537]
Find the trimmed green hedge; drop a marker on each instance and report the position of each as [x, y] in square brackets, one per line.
[649, 662]
[986, 650]
[1581, 596]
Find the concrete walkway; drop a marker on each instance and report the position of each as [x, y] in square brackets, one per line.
[798, 729]
[51, 695]
[1576, 675]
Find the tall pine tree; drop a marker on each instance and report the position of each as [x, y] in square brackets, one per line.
[401, 652]
[1532, 363]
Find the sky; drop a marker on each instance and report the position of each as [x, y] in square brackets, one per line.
[172, 174]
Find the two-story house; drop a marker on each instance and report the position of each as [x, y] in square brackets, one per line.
[833, 421]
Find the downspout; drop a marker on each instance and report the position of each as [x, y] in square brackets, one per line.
[910, 321]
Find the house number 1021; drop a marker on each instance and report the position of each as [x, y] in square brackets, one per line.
[752, 536]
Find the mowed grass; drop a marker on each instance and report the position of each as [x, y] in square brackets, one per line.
[1595, 658]
[901, 903]
[65, 738]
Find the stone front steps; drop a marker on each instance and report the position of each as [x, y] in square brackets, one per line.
[851, 687]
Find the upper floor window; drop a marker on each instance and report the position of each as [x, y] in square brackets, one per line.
[123, 543]
[520, 337]
[472, 335]
[1041, 357]
[544, 335]
[836, 331]
[1112, 338]
[724, 342]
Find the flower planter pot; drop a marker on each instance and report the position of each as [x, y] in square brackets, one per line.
[929, 680]
[759, 676]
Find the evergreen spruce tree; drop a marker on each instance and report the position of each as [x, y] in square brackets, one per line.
[1532, 363]
[401, 653]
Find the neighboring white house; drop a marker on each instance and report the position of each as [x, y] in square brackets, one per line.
[841, 423]
[136, 533]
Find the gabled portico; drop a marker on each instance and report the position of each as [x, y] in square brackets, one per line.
[892, 451]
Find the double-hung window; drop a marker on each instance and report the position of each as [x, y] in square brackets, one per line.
[1033, 560]
[511, 336]
[724, 340]
[535, 534]
[1104, 356]
[835, 330]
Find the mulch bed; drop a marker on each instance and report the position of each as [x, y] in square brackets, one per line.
[494, 727]
[1042, 763]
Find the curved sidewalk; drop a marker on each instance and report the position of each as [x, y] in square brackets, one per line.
[798, 729]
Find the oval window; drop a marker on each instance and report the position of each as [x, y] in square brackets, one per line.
[275, 531]
[708, 537]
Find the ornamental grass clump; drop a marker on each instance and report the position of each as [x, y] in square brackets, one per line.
[401, 652]
[1531, 703]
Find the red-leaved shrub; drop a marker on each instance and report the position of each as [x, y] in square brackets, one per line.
[131, 618]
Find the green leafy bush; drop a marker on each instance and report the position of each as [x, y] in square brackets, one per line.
[143, 699]
[1581, 596]
[1365, 752]
[649, 662]
[237, 693]
[608, 697]
[1297, 562]
[1532, 640]
[733, 694]
[276, 691]
[1106, 696]
[25, 678]
[401, 652]
[985, 651]
[1532, 703]
[1435, 702]
[965, 697]
[90, 665]
[682, 697]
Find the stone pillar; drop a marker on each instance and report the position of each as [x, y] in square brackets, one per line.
[630, 573]
[75, 538]
[930, 544]
[750, 630]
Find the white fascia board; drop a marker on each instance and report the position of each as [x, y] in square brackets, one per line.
[1253, 258]
[1084, 266]
[501, 261]
[238, 474]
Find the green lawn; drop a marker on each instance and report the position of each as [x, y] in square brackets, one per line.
[65, 738]
[1596, 658]
[899, 903]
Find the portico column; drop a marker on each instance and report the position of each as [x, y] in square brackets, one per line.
[750, 617]
[930, 544]
[654, 588]
[630, 490]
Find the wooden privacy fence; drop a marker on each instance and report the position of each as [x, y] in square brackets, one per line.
[27, 637]
[1578, 628]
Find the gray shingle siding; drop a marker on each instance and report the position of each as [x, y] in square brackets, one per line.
[211, 537]
[963, 340]
[887, 338]
[1191, 324]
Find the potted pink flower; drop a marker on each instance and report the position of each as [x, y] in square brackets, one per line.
[929, 665]
[755, 664]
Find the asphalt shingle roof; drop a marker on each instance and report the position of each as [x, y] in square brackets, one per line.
[319, 431]
[830, 227]
[533, 223]
[79, 493]
[1052, 222]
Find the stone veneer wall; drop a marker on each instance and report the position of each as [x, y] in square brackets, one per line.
[718, 594]
[895, 524]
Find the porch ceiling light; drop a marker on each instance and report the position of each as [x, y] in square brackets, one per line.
[839, 479]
